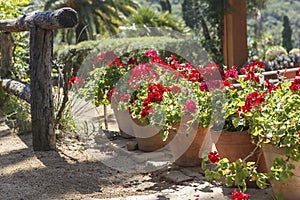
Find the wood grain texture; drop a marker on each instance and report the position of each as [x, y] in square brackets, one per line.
[42, 108]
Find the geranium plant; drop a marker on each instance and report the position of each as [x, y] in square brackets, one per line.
[163, 91]
[235, 173]
[275, 121]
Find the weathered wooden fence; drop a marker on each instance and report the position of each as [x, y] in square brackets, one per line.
[41, 26]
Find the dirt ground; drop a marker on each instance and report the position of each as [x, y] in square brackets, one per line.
[72, 172]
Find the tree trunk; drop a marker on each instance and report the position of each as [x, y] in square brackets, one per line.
[42, 108]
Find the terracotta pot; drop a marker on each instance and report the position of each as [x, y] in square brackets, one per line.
[235, 145]
[192, 156]
[290, 188]
[123, 119]
[189, 144]
[148, 137]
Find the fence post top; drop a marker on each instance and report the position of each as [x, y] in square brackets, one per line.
[49, 20]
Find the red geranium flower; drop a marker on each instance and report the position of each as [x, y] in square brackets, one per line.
[75, 79]
[110, 93]
[295, 85]
[214, 157]
[239, 195]
[146, 111]
[253, 100]
[150, 53]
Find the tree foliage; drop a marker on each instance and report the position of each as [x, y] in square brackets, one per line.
[287, 34]
[148, 17]
[96, 17]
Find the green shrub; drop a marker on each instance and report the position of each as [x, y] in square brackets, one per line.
[274, 51]
[15, 112]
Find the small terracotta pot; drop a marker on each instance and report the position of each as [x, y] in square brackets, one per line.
[148, 137]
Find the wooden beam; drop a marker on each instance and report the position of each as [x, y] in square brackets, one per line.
[235, 34]
[49, 20]
[16, 88]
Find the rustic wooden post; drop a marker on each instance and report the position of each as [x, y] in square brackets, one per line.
[41, 26]
[42, 108]
[235, 34]
[41, 51]
[6, 53]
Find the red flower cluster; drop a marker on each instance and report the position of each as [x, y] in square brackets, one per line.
[142, 72]
[195, 75]
[250, 70]
[116, 62]
[239, 195]
[110, 93]
[155, 94]
[295, 85]
[75, 79]
[252, 67]
[252, 76]
[253, 100]
[146, 111]
[214, 157]
[270, 86]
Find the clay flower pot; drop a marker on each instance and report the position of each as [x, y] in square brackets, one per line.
[290, 189]
[235, 145]
[148, 137]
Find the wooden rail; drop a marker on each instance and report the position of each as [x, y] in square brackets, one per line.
[41, 26]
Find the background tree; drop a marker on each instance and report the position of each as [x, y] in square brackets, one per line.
[96, 17]
[254, 8]
[188, 14]
[287, 34]
[148, 17]
[210, 16]
[165, 5]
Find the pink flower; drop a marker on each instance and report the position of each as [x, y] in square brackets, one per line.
[74, 80]
[190, 106]
[231, 73]
[125, 97]
[213, 157]
[203, 87]
[239, 195]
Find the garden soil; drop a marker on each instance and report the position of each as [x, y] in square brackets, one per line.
[74, 171]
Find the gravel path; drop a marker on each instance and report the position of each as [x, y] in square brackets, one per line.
[88, 170]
